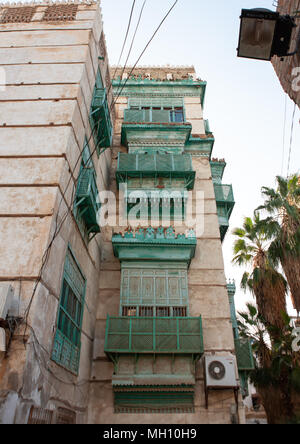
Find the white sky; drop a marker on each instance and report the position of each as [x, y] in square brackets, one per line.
[244, 102]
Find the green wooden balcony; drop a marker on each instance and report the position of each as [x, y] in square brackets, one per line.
[225, 203]
[244, 354]
[87, 199]
[100, 118]
[153, 335]
[152, 115]
[156, 165]
[167, 129]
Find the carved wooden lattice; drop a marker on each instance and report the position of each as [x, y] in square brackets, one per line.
[154, 287]
[18, 15]
[60, 13]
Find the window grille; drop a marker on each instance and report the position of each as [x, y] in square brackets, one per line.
[129, 311]
[146, 311]
[179, 312]
[65, 416]
[163, 312]
[39, 415]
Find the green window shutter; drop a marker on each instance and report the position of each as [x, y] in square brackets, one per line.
[153, 287]
[66, 346]
[86, 203]
[100, 120]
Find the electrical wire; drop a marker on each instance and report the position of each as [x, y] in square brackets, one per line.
[291, 141]
[144, 50]
[128, 27]
[283, 141]
[130, 49]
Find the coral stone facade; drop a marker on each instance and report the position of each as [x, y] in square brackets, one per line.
[107, 323]
[288, 68]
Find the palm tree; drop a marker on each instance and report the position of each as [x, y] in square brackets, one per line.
[267, 284]
[277, 372]
[283, 228]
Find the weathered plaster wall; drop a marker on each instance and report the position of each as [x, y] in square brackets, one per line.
[288, 68]
[207, 295]
[50, 73]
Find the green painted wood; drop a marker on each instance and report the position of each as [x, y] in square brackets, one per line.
[217, 171]
[156, 165]
[244, 354]
[67, 343]
[165, 247]
[154, 335]
[164, 133]
[86, 199]
[148, 89]
[100, 119]
[225, 204]
[151, 401]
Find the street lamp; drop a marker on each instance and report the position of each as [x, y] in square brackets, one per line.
[264, 33]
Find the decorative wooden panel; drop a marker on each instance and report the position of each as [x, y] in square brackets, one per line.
[155, 287]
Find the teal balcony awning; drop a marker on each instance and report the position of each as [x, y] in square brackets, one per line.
[154, 245]
[154, 335]
[156, 165]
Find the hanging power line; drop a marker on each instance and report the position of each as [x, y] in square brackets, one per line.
[125, 39]
[291, 140]
[130, 49]
[144, 50]
[283, 139]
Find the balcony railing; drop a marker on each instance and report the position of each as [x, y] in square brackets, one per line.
[154, 335]
[86, 199]
[153, 115]
[100, 118]
[156, 165]
[244, 354]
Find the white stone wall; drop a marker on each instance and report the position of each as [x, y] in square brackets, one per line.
[44, 116]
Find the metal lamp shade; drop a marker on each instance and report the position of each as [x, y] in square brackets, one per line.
[257, 33]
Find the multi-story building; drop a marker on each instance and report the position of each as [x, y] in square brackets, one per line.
[107, 322]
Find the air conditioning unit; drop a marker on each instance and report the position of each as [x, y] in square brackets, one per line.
[6, 299]
[221, 372]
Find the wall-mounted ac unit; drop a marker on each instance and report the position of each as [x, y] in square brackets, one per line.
[6, 298]
[221, 372]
